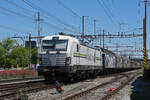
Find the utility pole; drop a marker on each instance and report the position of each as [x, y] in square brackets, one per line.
[144, 37]
[83, 28]
[103, 39]
[100, 38]
[29, 63]
[39, 31]
[94, 26]
[103, 54]
[38, 20]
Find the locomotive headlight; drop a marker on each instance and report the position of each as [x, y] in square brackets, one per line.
[68, 60]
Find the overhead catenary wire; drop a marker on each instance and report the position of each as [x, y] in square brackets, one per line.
[25, 11]
[27, 17]
[5, 13]
[15, 13]
[110, 12]
[69, 9]
[30, 4]
[47, 13]
[107, 13]
[12, 29]
[18, 6]
[111, 7]
[21, 22]
[56, 27]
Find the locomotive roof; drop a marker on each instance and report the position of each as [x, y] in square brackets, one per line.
[108, 51]
[111, 52]
[60, 37]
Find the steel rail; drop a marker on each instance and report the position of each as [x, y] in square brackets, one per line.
[83, 93]
[28, 89]
[15, 88]
[109, 95]
[19, 79]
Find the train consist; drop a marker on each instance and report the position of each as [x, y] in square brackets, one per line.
[65, 57]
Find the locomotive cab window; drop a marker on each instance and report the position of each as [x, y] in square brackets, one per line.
[55, 45]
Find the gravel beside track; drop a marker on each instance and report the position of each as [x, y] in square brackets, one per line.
[42, 91]
[10, 91]
[77, 88]
[97, 89]
[69, 89]
[102, 93]
[124, 94]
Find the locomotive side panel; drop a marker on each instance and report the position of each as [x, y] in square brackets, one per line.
[87, 58]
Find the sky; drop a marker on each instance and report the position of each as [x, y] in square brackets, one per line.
[18, 18]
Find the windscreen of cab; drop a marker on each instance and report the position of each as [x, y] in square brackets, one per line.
[54, 45]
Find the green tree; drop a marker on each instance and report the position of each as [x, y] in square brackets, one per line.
[34, 53]
[6, 46]
[13, 54]
[9, 44]
[20, 56]
[2, 56]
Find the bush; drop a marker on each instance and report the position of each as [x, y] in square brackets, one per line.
[5, 74]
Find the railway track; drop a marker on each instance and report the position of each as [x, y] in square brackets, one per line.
[13, 94]
[5, 81]
[109, 95]
[87, 91]
[10, 91]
